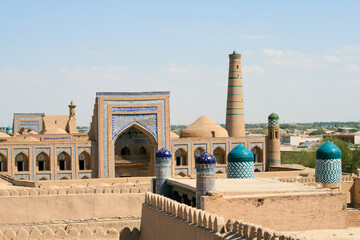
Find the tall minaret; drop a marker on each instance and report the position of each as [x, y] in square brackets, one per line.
[274, 157]
[235, 115]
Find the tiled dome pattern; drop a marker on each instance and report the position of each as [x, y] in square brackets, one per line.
[205, 158]
[328, 164]
[240, 154]
[240, 170]
[163, 152]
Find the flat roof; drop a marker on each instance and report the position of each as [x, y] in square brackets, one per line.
[247, 187]
[127, 94]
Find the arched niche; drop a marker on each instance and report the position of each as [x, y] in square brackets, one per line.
[258, 154]
[22, 162]
[220, 155]
[181, 157]
[64, 161]
[85, 162]
[43, 162]
[134, 148]
[198, 151]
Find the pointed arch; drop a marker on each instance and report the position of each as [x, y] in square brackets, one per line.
[22, 162]
[64, 178]
[43, 162]
[64, 161]
[43, 179]
[142, 151]
[220, 155]
[181, 157]
[140, 128]
[3, 163]
[258, 154]
[198, 151]
[219, 172]
[85, 162]
[85, 177]
[257, 170]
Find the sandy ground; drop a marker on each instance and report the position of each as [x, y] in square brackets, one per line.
[333, 234]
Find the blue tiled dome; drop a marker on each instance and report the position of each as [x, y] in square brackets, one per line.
[163, 153]
[328, 151]
[240, 154]
[205, 158]
[8, 128]
[234, 52]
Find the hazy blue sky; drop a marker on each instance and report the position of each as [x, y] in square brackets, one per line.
[300, 59]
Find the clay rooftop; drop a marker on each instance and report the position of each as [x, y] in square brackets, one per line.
[250, 187]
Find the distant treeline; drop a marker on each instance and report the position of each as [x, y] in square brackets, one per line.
[292, 125]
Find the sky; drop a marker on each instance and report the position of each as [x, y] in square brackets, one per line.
[300, 59]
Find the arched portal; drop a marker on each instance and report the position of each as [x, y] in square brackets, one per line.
[43, 162]
[181, 157]
[219, 155]
[258, 154]
[134, 151]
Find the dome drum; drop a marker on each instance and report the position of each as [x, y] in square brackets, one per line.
[328, 164]
[240, 163]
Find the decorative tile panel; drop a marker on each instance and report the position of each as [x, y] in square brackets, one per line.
[184, 170]
[223, 169]
[84, 149]
[183, 146]
[122, 121]
[328, 170]
[130, 171]
[204, 146]
[23, 150]
[61, 175]
[41, 175]
[63, 149]
[25, 176]
[81, 175]
[57, 139]
[260, 145]
[39, 150]
[216, 145]
[4, 152]
[240, 170]
[135, 109]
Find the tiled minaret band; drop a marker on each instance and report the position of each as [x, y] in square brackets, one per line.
[274, 156]
[162, 171]
[240, 163]
[205, 176]
[235, 116]
[328, 165]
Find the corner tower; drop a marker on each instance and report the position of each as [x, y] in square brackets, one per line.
[235, 116]
[274, 157]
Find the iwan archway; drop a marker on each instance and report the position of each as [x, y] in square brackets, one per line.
[134, 152]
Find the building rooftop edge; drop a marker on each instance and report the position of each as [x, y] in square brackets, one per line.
[114, 94]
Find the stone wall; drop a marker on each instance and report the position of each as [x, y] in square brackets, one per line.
[293, 212]
[36, 205]
[69, 232]
[163, 218]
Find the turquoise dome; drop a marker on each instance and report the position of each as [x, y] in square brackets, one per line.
[240, 154]
[235, 52]
[328, 151]
[163, 153]
[273, 116]
[8, 128]
[205, 158]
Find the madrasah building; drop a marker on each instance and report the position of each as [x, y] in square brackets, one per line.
[126, 131]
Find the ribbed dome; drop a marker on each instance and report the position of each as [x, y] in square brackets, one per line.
[240, 154]
[205, 158]
[163, 153]
[204, 127]
[328, 151]
[273, 116]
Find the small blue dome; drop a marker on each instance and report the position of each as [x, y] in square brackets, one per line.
[328, 151]
[8, 128]
[235, 52]
[240, 154]
[163, 153]
[205, 158]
